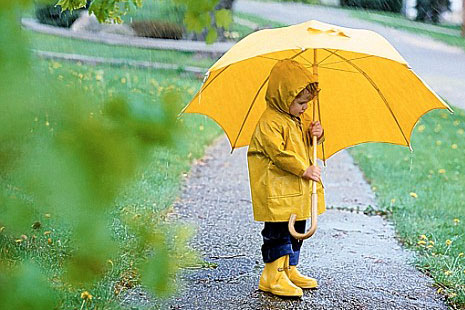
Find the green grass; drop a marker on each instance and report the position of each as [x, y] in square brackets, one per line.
[258, 20]
[422, 192]
[449, 34]
[153, 191]
[156, 10]
[53, 43]
[242, 31]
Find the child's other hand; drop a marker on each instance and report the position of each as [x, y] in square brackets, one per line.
[316, 129]
[312, 173]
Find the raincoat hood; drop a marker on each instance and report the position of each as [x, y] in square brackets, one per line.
[287, 79]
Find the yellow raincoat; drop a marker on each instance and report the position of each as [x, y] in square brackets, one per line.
[280, 149]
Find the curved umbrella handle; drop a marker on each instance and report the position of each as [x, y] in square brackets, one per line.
[314, 220]
[314, 217]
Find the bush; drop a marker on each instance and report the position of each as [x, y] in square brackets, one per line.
[430, 10]
[380, 5]
[51, 14]
[157, 29]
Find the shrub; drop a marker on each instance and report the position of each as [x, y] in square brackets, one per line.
[380, 5]
[51, 14]
[430, 10]
[157, 29]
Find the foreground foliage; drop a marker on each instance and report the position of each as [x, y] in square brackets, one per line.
[72, 139]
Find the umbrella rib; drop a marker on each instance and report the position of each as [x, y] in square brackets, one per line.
[308, 66]
[321, 122]
[203, 88]
[377, 89]
[326, 58]
[305, 59]
[338, 62]
[338, 69]
[248, 112]
[266, 57]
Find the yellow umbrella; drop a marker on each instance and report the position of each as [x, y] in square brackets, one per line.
[369, 92]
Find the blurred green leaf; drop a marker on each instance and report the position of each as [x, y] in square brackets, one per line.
[223, 18]
[194, 22]
[155, 272]
[211, 36]
[71, 4]
[25, 287]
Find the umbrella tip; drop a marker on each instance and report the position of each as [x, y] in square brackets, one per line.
[410, 148]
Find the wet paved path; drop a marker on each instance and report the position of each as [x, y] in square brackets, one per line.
[356, 258]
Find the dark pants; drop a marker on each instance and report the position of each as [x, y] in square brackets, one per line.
[278, 242]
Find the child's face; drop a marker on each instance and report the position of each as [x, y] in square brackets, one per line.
[300, 102]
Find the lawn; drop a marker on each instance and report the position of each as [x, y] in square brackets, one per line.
[44, 42]
[422, 192]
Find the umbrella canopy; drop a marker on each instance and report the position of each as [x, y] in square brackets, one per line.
[368, 91]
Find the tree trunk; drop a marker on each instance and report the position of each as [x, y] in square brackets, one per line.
[225, 4]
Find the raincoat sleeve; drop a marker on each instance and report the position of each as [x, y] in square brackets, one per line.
[271, 136]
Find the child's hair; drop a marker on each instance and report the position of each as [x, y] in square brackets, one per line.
[312, 87]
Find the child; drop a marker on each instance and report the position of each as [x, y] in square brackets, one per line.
[281, 175]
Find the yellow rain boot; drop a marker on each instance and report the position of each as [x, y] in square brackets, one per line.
[275, 280]
[297, 278]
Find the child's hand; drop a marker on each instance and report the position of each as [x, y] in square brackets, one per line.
[312, 173]
[316, 129]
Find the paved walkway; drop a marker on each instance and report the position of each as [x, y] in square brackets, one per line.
[356, 258]
[440, 65]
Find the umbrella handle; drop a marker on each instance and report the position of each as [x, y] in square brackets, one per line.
[314, 220]
[314, 217]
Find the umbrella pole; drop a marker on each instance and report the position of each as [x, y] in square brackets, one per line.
[314, 218]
